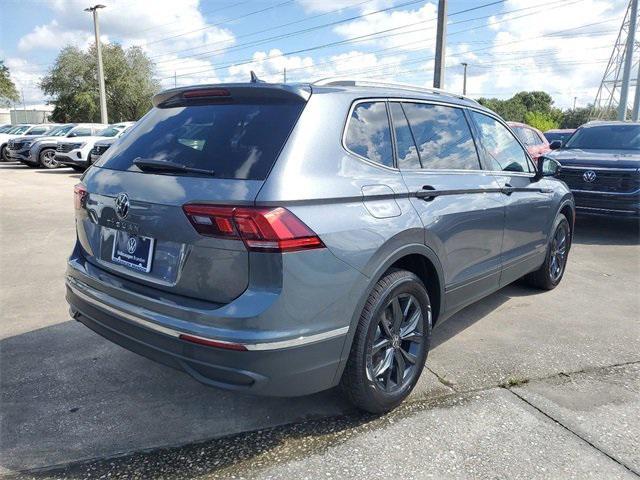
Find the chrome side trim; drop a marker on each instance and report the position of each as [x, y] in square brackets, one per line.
[281, 344]
[603, 169]
[600, 192]
[604, 210]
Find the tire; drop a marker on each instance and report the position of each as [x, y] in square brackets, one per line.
[401, 296]
[47, 158]
[550, 274]
[3, 155]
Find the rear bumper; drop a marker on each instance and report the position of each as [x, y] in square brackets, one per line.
[271, 369]
[605, 203]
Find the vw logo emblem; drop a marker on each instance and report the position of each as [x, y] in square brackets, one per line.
[122, 205]
[132, 244]
[589, 176]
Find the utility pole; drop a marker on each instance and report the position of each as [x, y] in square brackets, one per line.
[628, 58]
[284, 75]
[103, 96]
[574, 102]
[438, 70]
[636, 98]
[464, 79]
[175, 79]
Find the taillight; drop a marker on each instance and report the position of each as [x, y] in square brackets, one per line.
[261, 229]
[80, 196]
[212, 343]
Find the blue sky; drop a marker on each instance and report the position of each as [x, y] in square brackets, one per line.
[559, 46]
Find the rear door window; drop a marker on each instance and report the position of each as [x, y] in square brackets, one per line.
[443, 137]
[38, 130]
[236, 140]
[406, 150]
[368, 133]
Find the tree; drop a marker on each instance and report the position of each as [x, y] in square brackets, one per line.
[540, 120]
[8, 91]
[72, 81]
[516, 108]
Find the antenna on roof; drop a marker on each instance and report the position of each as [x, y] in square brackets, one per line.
[254, 78]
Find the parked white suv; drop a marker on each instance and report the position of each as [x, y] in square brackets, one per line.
[74, 153]
[22, 130]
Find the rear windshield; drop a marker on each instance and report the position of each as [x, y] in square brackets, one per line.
[237, 140]
[606, 137]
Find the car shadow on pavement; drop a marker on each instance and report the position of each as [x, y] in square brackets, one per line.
[68, 395]
[13, 166]
[61, 171]
[600, 230]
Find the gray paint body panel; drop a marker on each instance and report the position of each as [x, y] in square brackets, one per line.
[368, 216]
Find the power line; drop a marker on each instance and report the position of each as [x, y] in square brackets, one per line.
[219, 9]
[298, 32]
[250, 34]
[262, 41]
[452, 33]
[326, 45]
[228, 20]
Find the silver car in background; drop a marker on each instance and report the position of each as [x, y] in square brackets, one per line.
[285, 239]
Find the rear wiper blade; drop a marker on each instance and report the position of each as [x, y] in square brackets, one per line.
[150, 165]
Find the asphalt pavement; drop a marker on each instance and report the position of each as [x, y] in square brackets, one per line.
[523, 384]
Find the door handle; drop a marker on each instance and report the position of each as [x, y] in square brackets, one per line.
[427, 193]
[508, 189]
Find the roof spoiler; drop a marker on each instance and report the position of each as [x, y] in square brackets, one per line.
[236, 91]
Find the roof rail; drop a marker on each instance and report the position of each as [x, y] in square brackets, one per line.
[356, 82]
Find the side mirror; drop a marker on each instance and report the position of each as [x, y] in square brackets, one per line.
[546, 167]
[555, 145]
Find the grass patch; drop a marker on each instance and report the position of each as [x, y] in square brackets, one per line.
[514, 382]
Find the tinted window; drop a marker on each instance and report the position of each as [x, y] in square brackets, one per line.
[237, 140]
[368, 133]
[80, 132]
[562, 136]
[526, 135]
[503, 150]
[109, 132]
[60, 131]
[606, 137]
[406, 150]
[38, 130]
[443, 137]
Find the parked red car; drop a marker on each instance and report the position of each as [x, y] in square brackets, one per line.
[532, 138]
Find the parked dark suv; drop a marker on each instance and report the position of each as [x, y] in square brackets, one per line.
[601, 166]
[284, 239]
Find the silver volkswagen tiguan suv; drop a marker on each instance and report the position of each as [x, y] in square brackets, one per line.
[282, 239]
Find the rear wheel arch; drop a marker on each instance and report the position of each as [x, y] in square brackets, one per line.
[416, 258]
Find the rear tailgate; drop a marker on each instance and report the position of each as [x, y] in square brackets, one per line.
[131, 220]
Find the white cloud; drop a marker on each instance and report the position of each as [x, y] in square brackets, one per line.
[419, 25]
[26, 77]
[323, 6]
[142, 23]
[524, 56]
[268, 66]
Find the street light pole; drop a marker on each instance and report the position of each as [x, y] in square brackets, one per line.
[464, 79]
[103, 96]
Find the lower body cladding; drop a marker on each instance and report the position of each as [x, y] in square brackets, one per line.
[282, 362]
[22, 156]
[608, 203]
[70, 160]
